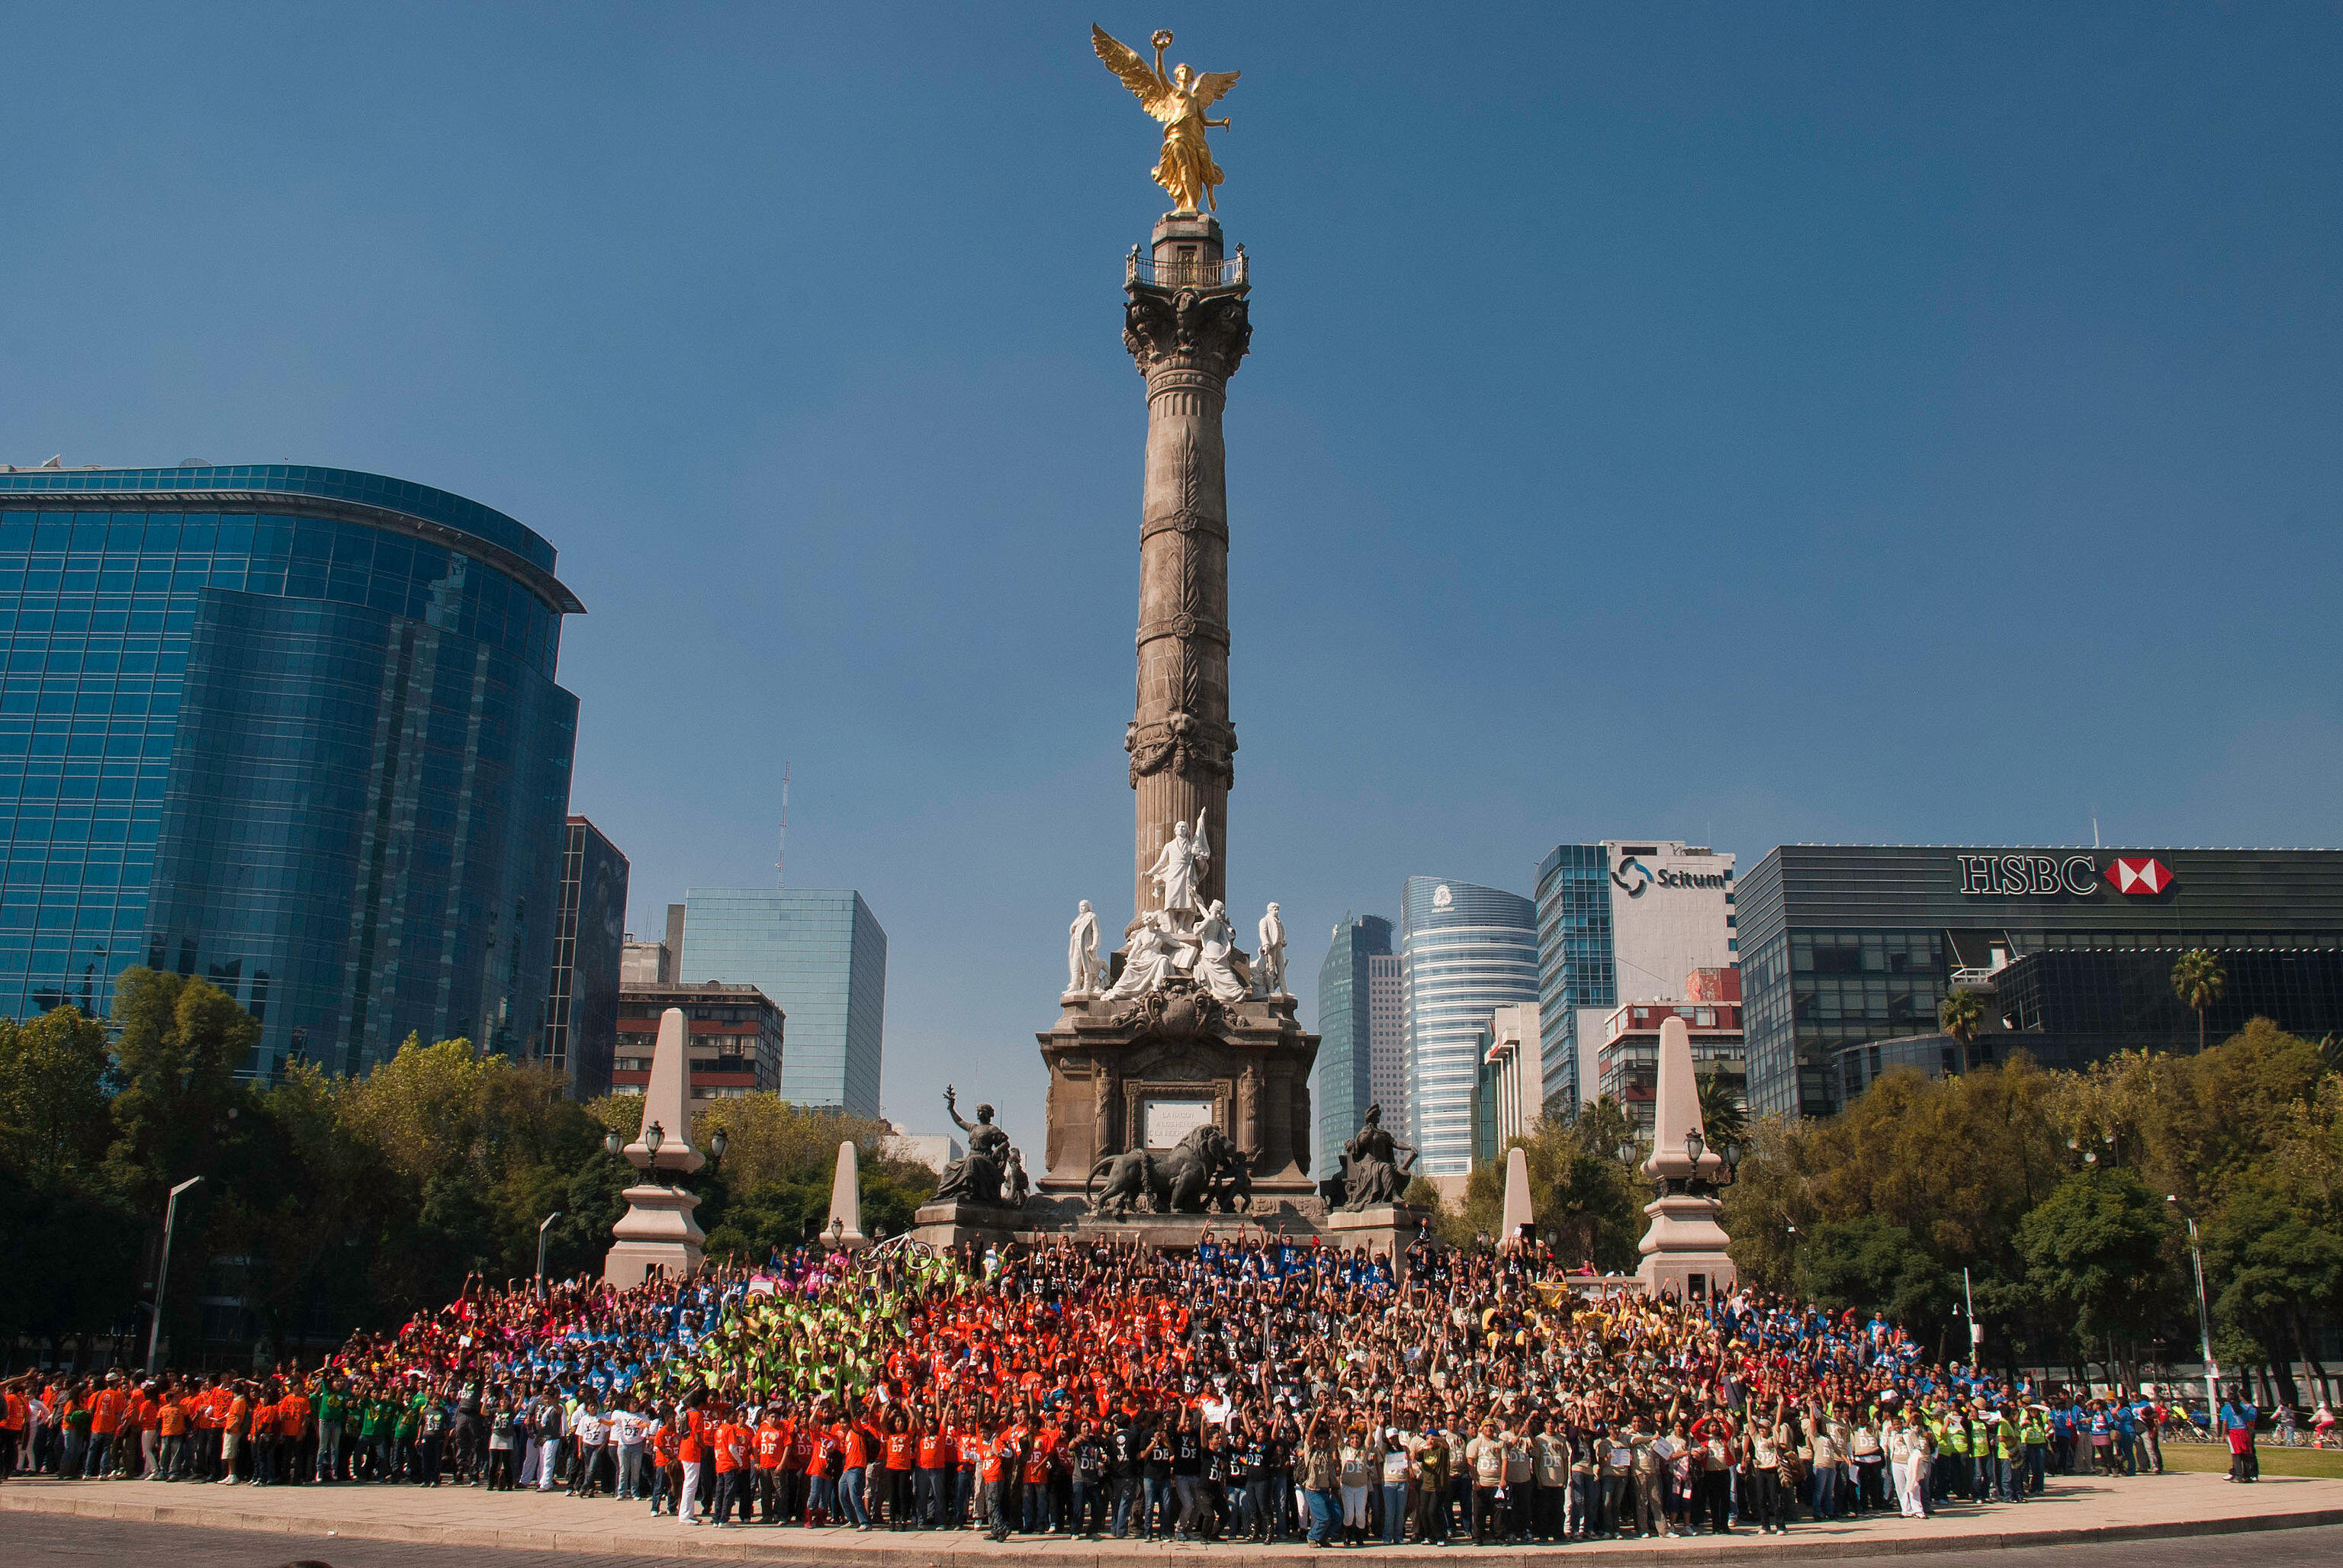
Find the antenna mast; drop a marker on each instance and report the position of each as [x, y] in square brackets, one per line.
[781, 854]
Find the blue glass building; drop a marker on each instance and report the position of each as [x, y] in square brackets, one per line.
[821, 956]
[1576, 961]
[1464, 952]
[292, 729]
[1347, 1035]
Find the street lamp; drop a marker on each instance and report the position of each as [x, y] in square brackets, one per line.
[550, 1219]
[163, 1273]
[717, 1143]
[610, 1144]
[1694, 1143]
[2204, 1315]
[652, 1138]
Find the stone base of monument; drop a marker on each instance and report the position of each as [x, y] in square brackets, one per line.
[1683, 1251]
[657, 1235]
[952, 1223]
[1143, 1072]
[1385, 1230]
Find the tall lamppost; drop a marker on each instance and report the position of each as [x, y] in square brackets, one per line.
[2204, 1315]
[163, 1273]
[549, 1219]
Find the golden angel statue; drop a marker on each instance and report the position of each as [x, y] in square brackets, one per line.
[1186, 168]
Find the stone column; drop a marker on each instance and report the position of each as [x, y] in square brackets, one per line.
[1185, 324]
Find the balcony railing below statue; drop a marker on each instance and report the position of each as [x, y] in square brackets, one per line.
[1183, 272]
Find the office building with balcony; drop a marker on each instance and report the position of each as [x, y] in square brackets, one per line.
[1464, 952]
[1628, 1063]
[733, 1038]
[1849, 949]
[1507, 1102]
[821, 956]
[581, 1006]
[1620, 919]
[1359, 1057]
[293, 730]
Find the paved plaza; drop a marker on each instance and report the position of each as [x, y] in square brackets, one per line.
[347, 1525]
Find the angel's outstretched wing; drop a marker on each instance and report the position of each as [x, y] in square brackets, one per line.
[1126, 62]
[1211, 86]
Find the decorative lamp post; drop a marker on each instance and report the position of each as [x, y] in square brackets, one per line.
[610, 1144]
[716, 1147]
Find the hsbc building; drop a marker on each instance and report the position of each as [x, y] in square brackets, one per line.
[1847, 951]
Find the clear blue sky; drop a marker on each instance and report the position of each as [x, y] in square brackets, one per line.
[1745, 424]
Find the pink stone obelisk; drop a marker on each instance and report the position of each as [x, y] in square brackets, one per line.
[1684, 1251]
[658, 1231]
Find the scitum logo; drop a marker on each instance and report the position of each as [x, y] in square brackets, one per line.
[1643, 876]
[2141, 878]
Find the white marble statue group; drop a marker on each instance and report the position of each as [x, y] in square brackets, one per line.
[1188, 937]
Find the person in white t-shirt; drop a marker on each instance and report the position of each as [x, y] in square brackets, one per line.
[592, 1431]
[629, 1432]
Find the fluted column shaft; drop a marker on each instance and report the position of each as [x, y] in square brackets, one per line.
[1187, 329]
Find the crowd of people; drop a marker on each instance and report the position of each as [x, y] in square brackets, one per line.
[1257, 1386]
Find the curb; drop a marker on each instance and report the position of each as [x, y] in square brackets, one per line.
[731, 1548]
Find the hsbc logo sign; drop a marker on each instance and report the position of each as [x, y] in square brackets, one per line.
[2075, 876]
[2139, 877]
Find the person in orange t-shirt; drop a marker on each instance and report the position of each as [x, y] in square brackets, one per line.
[106, 1408]
[12, 1428]
[732, 1445]
[263, 1438]
[772, 1446]
[937, 1454]
[232, 1419]
[665, 1444]
[996, 1458]
[171, 1429]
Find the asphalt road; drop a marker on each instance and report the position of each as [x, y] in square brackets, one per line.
[39, 1539]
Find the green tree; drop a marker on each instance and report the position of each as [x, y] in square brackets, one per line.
[2197, 981]
[1579, 1189]
[1872, 1266]
[180, 1044]
[2279, 1271]
[2097, 1250]
[53, 1115]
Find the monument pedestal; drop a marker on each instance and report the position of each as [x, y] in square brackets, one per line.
[1143, 1072]
[1683, 1251]
[656, 1234]
[1385, 1230]
[949, 1223]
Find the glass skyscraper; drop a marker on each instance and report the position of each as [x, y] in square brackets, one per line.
[295, 730]
[1464, 952]
[589, 939]
[822, 957]
[1346, 1041]
[1574, 961]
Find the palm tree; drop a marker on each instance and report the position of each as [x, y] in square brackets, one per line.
[1961, 1014]
[2197, 981]
[1722, 1118]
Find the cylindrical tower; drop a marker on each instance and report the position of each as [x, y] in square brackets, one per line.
[1185, 325]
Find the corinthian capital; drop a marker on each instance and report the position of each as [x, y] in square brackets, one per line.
[1187, 330]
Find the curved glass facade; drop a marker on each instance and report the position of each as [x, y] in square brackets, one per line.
[292, 729]
[1465, 950]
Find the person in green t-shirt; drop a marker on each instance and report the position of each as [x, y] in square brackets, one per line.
[331, 1410]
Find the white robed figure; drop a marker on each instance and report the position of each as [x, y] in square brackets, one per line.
[1179, 869]
[1214, 940]
[1150, 960]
